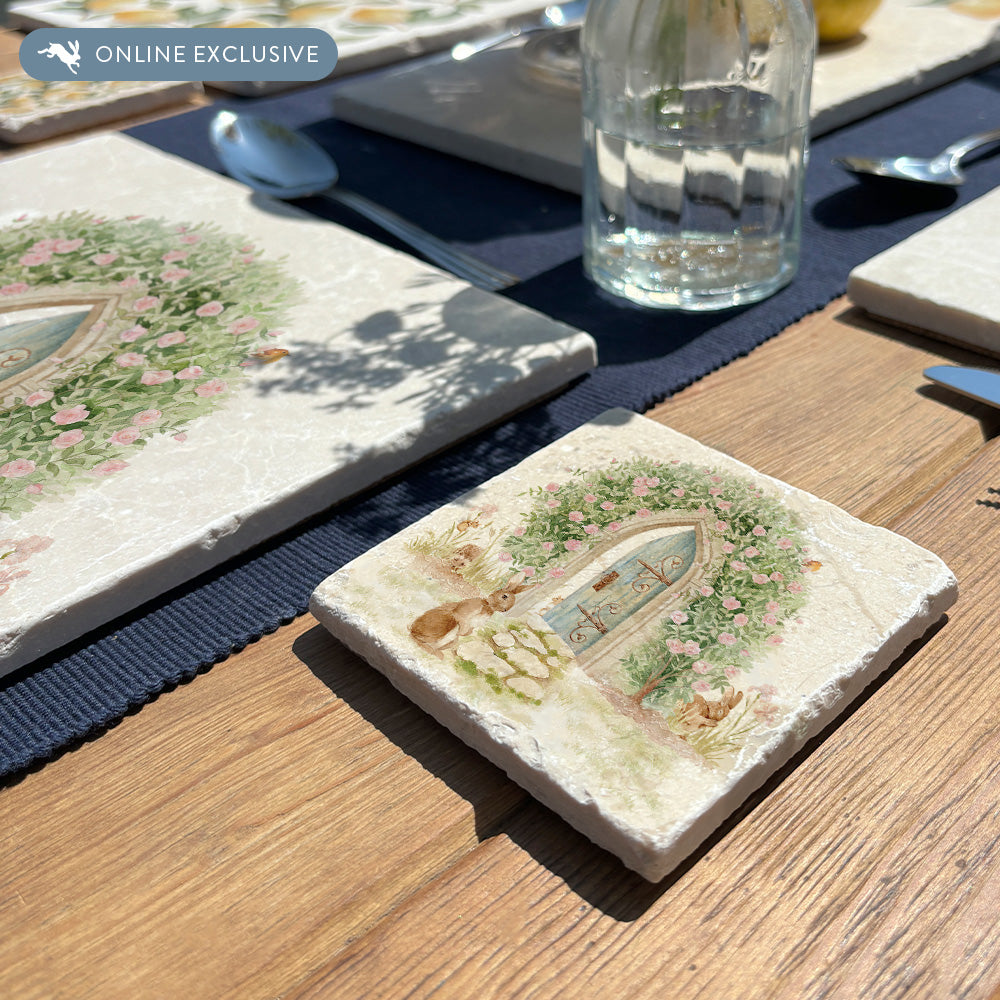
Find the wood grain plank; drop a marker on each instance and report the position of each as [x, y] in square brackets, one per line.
[289, 806]
[869, 870]
[838, 406]
[234, 833]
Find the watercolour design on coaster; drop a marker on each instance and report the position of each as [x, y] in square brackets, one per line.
[22, 97]
[637, 628]
[113, 331]
[344, 20]
[627, 573]
[359, 28]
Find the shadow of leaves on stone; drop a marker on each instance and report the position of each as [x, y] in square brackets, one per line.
[415, 364]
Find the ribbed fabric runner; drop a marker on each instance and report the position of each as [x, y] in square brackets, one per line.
[532, 230]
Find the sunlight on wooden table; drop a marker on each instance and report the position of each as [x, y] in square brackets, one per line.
[289, 825]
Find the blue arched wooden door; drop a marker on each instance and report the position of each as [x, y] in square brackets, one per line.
[40, 334]
[623, 586]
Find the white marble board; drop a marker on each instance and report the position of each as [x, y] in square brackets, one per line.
[942, 280]
[188, 370]
[485, 110]
[639, 629]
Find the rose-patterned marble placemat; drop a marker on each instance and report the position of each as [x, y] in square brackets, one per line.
[637, 628]
[186, 370]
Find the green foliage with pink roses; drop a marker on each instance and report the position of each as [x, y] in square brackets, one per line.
[725, 617]
[194, 303]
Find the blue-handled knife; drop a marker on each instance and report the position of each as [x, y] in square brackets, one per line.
[976, 383]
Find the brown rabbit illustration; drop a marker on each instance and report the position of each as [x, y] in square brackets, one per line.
[463, 556]
[441, 627]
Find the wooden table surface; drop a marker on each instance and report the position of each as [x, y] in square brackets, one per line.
[287, 825]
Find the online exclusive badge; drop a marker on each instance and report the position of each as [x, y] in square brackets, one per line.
[222, 54]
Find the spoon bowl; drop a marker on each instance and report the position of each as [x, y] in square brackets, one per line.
[905, 168]
[286, 164]
[943, 169]
[270, 158]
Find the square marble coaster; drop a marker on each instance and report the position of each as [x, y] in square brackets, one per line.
[942, 280]
[490, 110]
[186, 369]
[638, 629]
[31, 110]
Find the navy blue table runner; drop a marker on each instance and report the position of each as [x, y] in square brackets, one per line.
[534, 231]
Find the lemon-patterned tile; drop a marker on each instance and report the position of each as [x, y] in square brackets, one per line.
[32, 110]
[367, 32]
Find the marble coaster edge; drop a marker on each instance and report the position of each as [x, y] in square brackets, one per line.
[653, 857]
[63, 120]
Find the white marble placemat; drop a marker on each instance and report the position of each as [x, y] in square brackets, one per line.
[638, 629]
[484, 109]
[367, 32]
[943, 281]
[187, 370]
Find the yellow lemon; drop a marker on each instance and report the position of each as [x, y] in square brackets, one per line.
[839, 20]
[976, 8]
[143, 16]
[384, 15]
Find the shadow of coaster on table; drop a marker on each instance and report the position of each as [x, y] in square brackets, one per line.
[628, 624]
[490, 794]
[597, 877]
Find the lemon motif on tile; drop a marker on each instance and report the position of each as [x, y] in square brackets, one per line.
[840, 20]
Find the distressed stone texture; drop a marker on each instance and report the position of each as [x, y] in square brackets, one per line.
[388, 360]
[646, 778]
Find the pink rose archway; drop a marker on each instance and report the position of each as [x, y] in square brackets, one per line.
[173, 312]
[739, 604]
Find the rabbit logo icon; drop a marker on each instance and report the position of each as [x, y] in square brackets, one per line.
[68, 57]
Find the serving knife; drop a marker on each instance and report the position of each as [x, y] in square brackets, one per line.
[976, 383]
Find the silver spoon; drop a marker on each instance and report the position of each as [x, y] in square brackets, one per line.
[941, 169]
[554, 16]
[286, 164]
